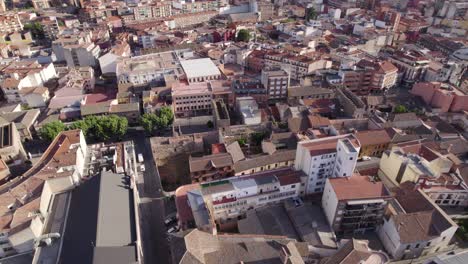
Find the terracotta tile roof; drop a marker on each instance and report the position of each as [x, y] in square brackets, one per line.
[208, 162]
[358, 187]
[373, 137]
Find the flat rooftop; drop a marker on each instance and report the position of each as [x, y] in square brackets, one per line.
[115, 218]
[358, 187]
[199, 68]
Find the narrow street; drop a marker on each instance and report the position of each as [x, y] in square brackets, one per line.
[152, 206]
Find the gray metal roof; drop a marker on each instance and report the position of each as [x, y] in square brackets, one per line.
[114, 227]
[114, 255]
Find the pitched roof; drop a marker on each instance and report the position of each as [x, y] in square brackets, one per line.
[373, 137]
[264, 160]
[236, 152]
[208, 162]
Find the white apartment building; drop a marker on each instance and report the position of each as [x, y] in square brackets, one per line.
[276, 81]
[415, 226]
[323, 158]
[229, 199]
[24, 74]
[81, 55]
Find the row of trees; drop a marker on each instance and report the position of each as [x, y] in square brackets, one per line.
[98, 128]
[111, 127]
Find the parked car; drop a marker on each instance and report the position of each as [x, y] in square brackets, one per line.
[169, 220]
[173, 229]
[364, 158]
[140, 158]
[297, 201]
[142, 167]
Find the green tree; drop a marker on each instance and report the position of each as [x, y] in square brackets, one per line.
[36, 29]
[50, 130]
[311, 14]
[243, 35]
[242, 141]
[400, 109]
[148, 122]
[258, 137]
[161, 120]
[102, 128]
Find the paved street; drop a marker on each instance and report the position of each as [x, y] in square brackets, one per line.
[152, 207]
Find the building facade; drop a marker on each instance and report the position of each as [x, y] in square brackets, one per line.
[354, 204]
[329, 157]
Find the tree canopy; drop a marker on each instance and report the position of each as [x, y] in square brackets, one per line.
[243, 35]
[160, 120]
[400, 109]
[50, 130]
[311, 14]
[37, 31]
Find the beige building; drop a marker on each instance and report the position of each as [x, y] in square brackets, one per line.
[297, 65]
[409, 161]
[11, 148]
[10, 23]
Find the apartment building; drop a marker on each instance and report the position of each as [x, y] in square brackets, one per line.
[441, 97]
[230, 199]
[108, 61]
[10, 22]
[297, 65]
[408, 161]
[143, 12]
[192, 99]
[412, 65]
[414, 226]
[276, 82]
[81, 55]
[367, 76]
[433, 172]
[323, 158]
[161, 9]
[184, 7]
[354, 204]
[19, 75]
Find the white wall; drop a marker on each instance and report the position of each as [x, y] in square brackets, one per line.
[329, 202]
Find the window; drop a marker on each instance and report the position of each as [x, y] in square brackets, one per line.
[428, 244]
[417, 246]
[350, 158]
[293, 186]
[318, 189]
[408, 247]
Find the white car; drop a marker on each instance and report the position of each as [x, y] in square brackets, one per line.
[364, 158]
[173, 229]
[142, 167]
[140, 158]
